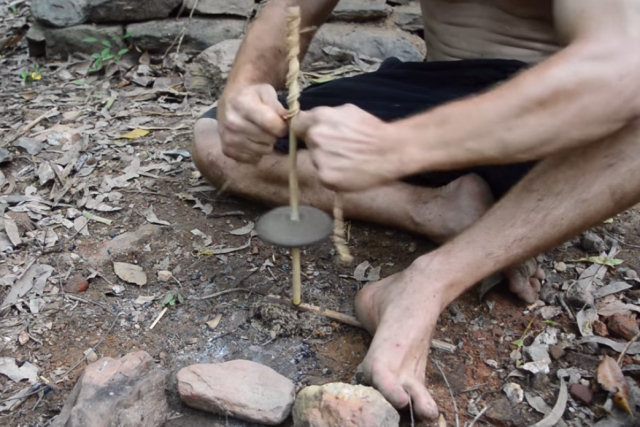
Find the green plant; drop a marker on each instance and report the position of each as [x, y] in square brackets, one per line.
[106, 56]
[13, 10]
[32, 74]
[172, 298]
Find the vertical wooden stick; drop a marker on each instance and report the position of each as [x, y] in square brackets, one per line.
[293, 88]
[339, 235]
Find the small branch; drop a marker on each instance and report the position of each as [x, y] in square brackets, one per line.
[155, 322]
[626, 347]
[453, 399]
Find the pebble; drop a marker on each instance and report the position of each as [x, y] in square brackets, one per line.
[76, 284]
[581, 393]
[343, 405]
[600, 328]
[502, 413]
[592, 243]
[164, 276]
[239, 388]
[560, 267]
[556, 352]
[622, 326]
[514, 392]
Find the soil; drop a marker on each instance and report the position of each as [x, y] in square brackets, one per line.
[111, 318]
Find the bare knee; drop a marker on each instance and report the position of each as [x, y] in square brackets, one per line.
[207, 152]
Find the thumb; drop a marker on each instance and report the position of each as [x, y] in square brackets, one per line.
[301, 124]
[269, 96]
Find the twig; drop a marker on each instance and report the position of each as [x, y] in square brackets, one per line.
[155, 322]
[626, 347]
[182, 33]
[39, 119]
[413, 421]
[477, 417]
[455, 406]
[226, 291]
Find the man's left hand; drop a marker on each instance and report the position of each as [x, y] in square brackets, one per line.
[351, 149]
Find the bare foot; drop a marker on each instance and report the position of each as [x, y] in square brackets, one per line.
[525, 280]
[400, 312]
[456, 206]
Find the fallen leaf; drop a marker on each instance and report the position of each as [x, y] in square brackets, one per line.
[585, 319]
[150, 216]
[610, 289]
[213, 323]
[130, 273]
[611, 379]
[243, 230]
[601, 260]
[610, 305]
[558, 409]
[136, 133]
[27, 371]
[615, 345]
[11, 229]
[144, 299]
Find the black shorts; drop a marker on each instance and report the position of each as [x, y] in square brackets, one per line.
[399, 89]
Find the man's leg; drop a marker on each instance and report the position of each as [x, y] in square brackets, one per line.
[562, 196]
[438, 213]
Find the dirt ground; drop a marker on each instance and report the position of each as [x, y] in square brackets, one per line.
[207, 245]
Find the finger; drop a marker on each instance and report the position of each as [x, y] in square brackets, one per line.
[241, 129]
[268, 120]
[301, 124]
[269, 96]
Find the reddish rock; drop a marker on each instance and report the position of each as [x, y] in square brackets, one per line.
[343, 405]
[581, 393]
[623, 326]
[239, 388]
[125, 392]
[600, 328]
[76, 284]
[556, 352]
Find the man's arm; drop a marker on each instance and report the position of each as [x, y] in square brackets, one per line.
[586, 91]
[583, 93]
[262, 56]
[250, 117]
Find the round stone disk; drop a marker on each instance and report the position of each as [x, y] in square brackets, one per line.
[277, 227]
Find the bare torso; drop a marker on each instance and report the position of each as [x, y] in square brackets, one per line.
[470, 29]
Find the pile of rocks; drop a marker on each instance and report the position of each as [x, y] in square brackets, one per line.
[385, 28]
[130, 391]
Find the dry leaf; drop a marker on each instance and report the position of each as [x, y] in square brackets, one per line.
[558, 409]
[611, 379]
[135, 134]
[213, 323]
[130, 273]
[243, 230]
[26, 371]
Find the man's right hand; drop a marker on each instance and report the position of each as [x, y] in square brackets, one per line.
[250, 121]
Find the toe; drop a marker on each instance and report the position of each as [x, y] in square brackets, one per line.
[390, 388]
[424, 407]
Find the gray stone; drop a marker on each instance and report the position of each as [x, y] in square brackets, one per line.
[222, 7]
[63, 41]
[208, 72]
[63, 13]
[59, 13]
[343, 405]
[360, 10]
[409, 17]
[370, 41]
[592, 243]
[125, 392]
[502, 413]
[239, 388]
[5, 155]
[200, 33]
[581, 393]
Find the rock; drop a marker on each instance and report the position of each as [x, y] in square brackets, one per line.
[156, 36]
[409, 17]
[125, 392]
[364, 40]
[628, 273]
[556, 352]
[164, 276]
[622, 326]
[560, 267]
[581, 393]
[61, 41]
[592, 243]
[339, 404]
[76, 284]
[502, 413]
[222, 7]
[580, 294]
[64, 13]
[5, 155]
[600, 328]
[239, 388]
[514, 392]
[209, 70]
[130, 273]
[360, 10]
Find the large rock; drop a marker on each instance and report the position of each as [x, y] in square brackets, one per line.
[343, 405]
[360, 10]
[369, 41]
[222, 7]
[409, 17]
[125, 392]
[208, 72]
[200, 33]
[63, 13]
[239, 388]
[61, 41]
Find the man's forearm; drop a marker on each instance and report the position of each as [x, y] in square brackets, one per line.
[578, 96]
[262, 56]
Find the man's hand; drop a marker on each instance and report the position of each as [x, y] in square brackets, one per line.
[352, 149]
[250, 121]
